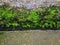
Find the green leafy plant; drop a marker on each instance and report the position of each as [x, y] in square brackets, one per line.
[43, 18]
[7, 15]
[33, 16]
[58, 24]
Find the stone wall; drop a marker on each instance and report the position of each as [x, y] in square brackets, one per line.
[30, 3]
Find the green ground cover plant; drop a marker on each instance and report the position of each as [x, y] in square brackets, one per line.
[41, 18]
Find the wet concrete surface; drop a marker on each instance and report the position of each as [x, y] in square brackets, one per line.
[32, 37]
